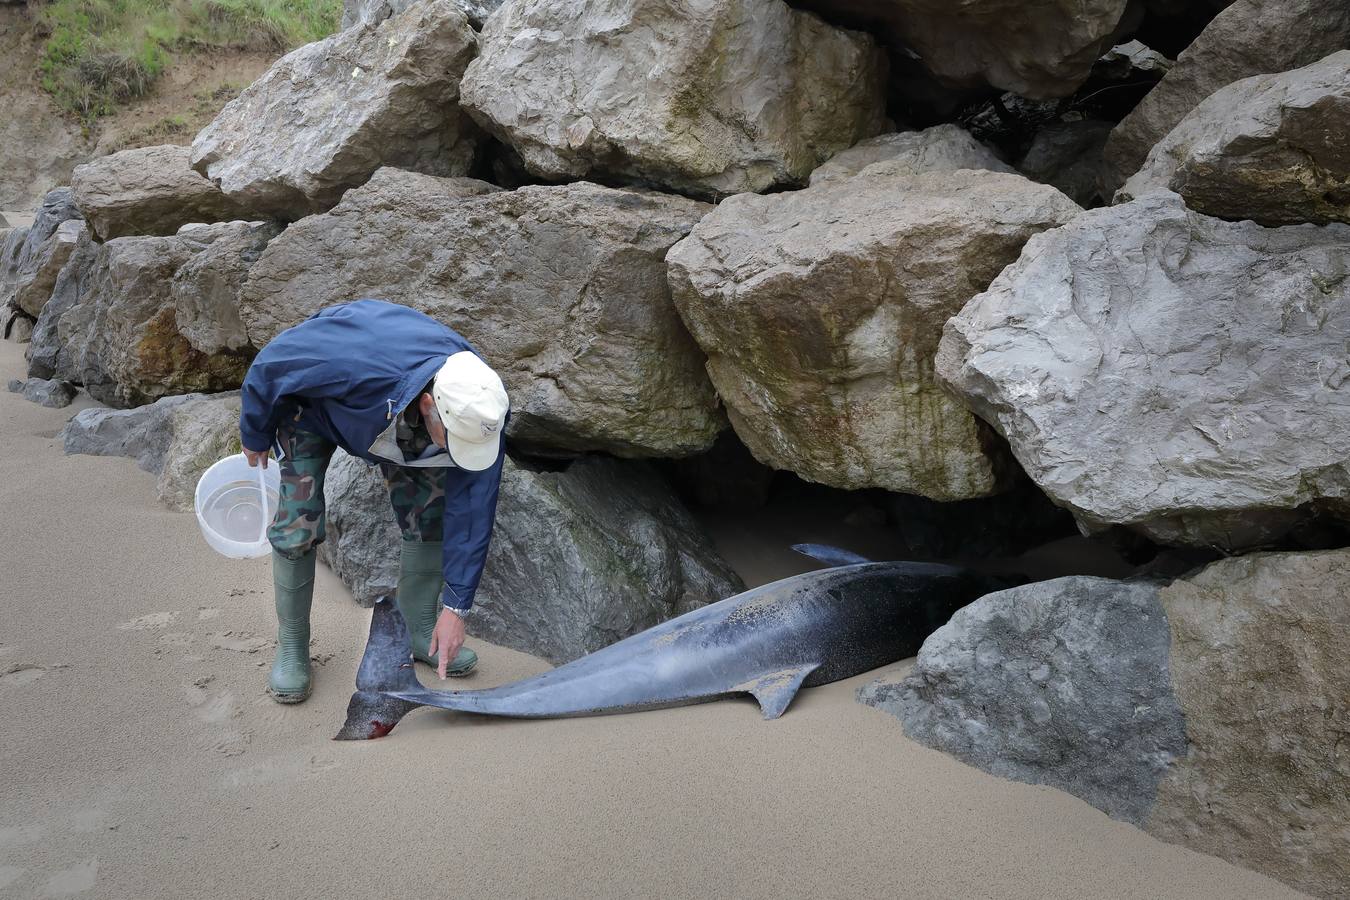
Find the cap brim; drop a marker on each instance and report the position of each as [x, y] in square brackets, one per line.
[474, 457]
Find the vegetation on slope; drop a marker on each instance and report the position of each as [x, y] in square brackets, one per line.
[103, 52]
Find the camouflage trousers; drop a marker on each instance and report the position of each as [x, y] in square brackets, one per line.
[417, 495]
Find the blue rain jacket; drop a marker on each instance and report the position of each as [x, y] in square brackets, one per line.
[346, 373]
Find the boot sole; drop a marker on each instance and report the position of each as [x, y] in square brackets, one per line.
[289, 698]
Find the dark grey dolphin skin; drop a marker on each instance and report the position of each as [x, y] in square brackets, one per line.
[801, 631]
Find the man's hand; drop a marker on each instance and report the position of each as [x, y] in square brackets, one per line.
[446, 638]
[256, 456]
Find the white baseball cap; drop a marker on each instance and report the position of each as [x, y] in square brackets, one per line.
[472, 403]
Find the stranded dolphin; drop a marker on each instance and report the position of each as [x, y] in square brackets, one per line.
[802, 631]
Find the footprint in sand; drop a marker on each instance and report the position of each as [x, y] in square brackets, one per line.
[149, 622]
[282, 769]
[75, 880]
[25, 674]
[239, 641]
[218, 710]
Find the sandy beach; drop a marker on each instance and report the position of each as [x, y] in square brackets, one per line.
[141, 757]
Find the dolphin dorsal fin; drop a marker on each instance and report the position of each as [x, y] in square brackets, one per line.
[831, 556]
[775, 690]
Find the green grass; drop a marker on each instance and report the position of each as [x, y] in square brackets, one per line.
[100, 53]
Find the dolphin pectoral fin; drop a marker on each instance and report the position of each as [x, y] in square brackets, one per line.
[371, 715]
[775, 690]
[831, 556]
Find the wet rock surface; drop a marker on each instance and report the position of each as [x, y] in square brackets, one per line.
[820, 311]
[563, 288]
[1143, 377]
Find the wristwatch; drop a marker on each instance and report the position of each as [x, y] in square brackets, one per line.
[462, 613]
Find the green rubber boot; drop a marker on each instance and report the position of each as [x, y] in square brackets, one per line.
[293, 581]
[419, 600]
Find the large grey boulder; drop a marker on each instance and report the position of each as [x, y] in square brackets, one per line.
[579, 558]
[708, 99]
[148, 190]
[1179, 374]
[206, 288]
[1036, 48]
[112, 324]
[1061, 682]
[32, 257]
[39, 265]
[373, 12]
[327, 115]
[1270, 148]
[176, 438]
[143, 433]
[200, 434]
[51, 352]
[562, 288]
[942, 148]
[1210, 711]
[1250, 37]
[820, 311]
[44, 392]
[1259, 645]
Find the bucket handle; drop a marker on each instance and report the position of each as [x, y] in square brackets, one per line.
[262, 489]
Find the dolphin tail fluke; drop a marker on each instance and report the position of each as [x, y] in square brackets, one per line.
[386, 666]
[831, 556]
[371, 715]
[775, 690]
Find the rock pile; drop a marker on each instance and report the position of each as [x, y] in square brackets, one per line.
[684, 230]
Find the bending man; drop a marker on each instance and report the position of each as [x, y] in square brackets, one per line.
[396, 388]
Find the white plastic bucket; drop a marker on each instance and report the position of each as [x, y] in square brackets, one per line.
[235, 502]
